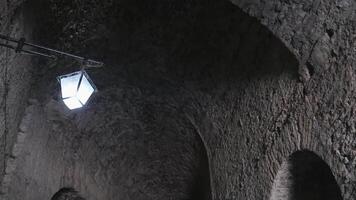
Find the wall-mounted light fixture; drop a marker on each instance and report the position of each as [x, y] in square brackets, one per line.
[77, 87]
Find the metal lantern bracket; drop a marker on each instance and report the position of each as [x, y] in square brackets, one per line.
[45, 51]
[20, 45]
[78, 94]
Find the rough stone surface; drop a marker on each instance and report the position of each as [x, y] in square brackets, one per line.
[322, 36]
[15, 77]
[192, 91]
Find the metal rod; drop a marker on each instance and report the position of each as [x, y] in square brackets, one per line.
[4, 37]
[38, 54]
[7, 46]
[28, 51]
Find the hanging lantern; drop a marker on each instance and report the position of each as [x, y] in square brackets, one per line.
[77, 88]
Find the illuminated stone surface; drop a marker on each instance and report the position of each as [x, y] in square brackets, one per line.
[187, 84]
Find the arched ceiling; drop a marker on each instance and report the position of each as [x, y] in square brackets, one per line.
[186, 84]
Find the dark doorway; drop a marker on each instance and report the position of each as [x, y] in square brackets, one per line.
[305, 176]
[67, 194]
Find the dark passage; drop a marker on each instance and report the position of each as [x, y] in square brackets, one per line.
[67, 194]
[312, 178]
[305, 176]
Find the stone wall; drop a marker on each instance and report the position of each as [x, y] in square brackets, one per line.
[15, 78]
[192, 92]
[322, 36]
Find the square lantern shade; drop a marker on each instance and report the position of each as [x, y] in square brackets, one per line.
[76, 89]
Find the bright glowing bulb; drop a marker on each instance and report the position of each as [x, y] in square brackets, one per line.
[76, 89]
[72, 103]
[85, 91]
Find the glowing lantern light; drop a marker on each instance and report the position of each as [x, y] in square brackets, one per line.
[76, 89]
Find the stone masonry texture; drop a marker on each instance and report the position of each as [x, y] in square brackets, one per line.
[198, 99]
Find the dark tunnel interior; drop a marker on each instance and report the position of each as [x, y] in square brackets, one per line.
[305, 176]
[168, 64]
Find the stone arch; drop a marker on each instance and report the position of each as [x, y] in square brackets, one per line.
[202, 187]
[197, 47]
[305, 176]
[67, 193]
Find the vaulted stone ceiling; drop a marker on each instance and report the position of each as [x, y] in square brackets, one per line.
[198, 99]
